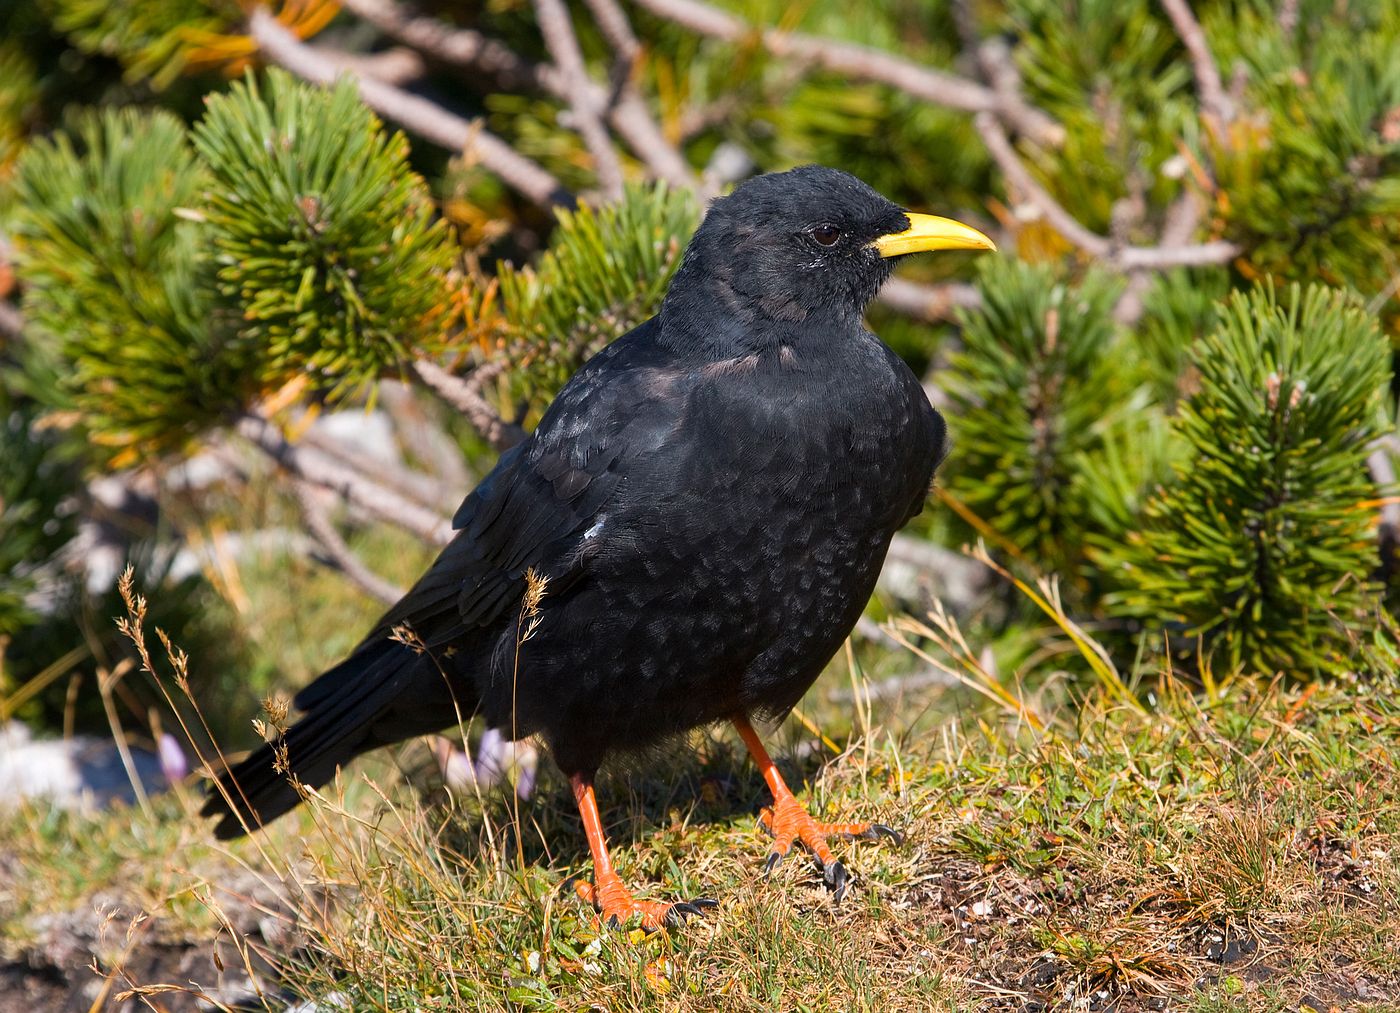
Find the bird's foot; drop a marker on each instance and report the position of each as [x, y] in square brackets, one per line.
[616, 905]
[789, 823]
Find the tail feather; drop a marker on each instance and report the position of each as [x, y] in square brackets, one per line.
[338, 726]
[341, 677]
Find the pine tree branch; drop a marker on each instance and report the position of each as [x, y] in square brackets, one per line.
[423, 489]
[320, 469]
[397, 66]
[338, 554]
[558, 31]
[864, 63]
[1209, 86]
[931, 303]
[464, 394]
[462, 47]
[414, 113]
[1182, 218]
[1124, 258]
[628, 110]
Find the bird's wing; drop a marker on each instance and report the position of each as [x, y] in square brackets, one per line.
[536, 506]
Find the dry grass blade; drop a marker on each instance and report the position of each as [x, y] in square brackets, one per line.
[968, 668]
[1047, 599]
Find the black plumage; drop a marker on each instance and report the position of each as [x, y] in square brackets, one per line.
[710, 499]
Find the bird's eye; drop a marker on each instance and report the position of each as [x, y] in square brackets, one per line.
[826, 235]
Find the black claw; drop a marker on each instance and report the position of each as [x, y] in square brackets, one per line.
[614, 922]
[775, 859]
[878, 830]
[677, 913]
[836, 879]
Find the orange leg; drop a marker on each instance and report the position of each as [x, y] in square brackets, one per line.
[788, 822]
[607, 894]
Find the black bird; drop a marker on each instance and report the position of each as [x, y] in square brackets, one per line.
[708, 502]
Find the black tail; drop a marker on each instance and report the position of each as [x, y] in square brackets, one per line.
[343, 707]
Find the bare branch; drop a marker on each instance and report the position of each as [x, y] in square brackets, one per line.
[397, 66]
[460, 47]
[1382, 468]
[338, 554]
[1215, 102]
[419, 427]
[864, 63]
[635, 125]
[1180, 225]
[613, 23]
[558, 31]
[423, 489]
[464, 394]
[11, 320]
[628, 111]
[1124, 258]
[932, 303]
[617, 30]
[323, 470]
[431, 121]
[463, 47]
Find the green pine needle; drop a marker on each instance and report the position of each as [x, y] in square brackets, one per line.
[324, 237]
[1040, 397]
[1261, 543]
[605, 272]
[114, 289]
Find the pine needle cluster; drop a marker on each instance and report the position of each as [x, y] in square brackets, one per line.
[1036, 393]
[323, 237]
[1261, 542]
[171, 282]
[606, 271]
[117, 285]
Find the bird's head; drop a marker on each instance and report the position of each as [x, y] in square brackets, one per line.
[808, 245]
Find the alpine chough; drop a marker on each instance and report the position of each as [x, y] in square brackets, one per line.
[708, 502]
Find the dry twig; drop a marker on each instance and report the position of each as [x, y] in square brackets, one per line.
[931, 303]
[558, 31]
[464, 394]
[617, 30]
[321, 469]
[1123, 258]
[418, 114]
[339, 554]
[864, 63]
[1214, 99]
[462, 47]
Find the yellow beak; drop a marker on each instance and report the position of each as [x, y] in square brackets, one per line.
[929, 232]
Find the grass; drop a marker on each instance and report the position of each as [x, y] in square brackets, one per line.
[1233, 852]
